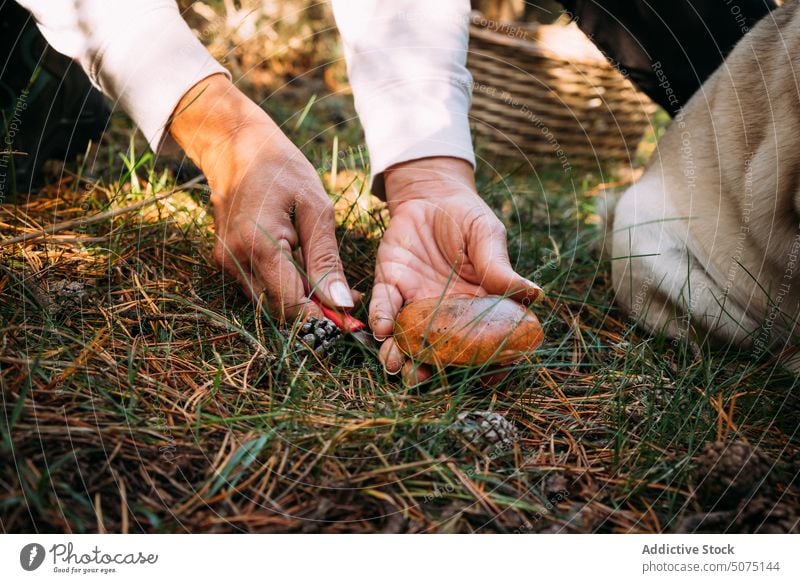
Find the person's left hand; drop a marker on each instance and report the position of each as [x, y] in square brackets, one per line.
[442, 239]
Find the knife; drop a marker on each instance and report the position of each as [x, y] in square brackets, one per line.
[348, 325]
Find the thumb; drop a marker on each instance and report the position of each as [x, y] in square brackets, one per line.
[316, 228]
[488, 252]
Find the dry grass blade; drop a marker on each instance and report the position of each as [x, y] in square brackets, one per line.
[98, 218]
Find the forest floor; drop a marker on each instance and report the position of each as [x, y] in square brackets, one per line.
[141, 392]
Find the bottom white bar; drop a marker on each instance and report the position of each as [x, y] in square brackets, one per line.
[417, 558]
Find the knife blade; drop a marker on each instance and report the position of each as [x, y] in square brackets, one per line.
[349, 324]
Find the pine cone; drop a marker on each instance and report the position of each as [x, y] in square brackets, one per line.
[320, 336]
[728, 472]
[484, 428]
[764, 516]
[62, 296]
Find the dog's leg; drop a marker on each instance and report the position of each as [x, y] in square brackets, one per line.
[658, 279]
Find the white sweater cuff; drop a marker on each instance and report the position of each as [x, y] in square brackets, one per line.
[407, 119]
[406, 60]
[150, 65]
[140, 54]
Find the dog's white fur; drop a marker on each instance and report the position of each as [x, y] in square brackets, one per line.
[706, 245]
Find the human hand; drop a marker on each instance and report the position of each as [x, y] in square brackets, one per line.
[274, 222]
[442, 239]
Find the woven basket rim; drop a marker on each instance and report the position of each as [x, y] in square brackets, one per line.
[530, 46]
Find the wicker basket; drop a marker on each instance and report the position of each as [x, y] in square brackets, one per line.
[547, 93]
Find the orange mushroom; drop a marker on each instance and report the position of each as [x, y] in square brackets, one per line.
[461, 330]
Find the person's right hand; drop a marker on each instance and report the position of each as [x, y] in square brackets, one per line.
[267, 199]
[442, 239]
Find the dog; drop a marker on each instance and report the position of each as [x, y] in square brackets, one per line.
[706, 244]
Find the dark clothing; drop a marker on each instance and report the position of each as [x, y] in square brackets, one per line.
[48, 108]
[667, 44]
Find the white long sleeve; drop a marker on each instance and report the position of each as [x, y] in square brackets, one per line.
[406, 63]
[406, 60]
[141, 54]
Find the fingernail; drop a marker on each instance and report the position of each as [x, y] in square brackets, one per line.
[539, 293]
[373, 323]
[340, 295]
[530, 283]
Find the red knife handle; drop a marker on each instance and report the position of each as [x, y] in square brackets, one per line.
[344, 321]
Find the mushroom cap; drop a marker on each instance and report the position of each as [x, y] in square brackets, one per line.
[461, 330]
